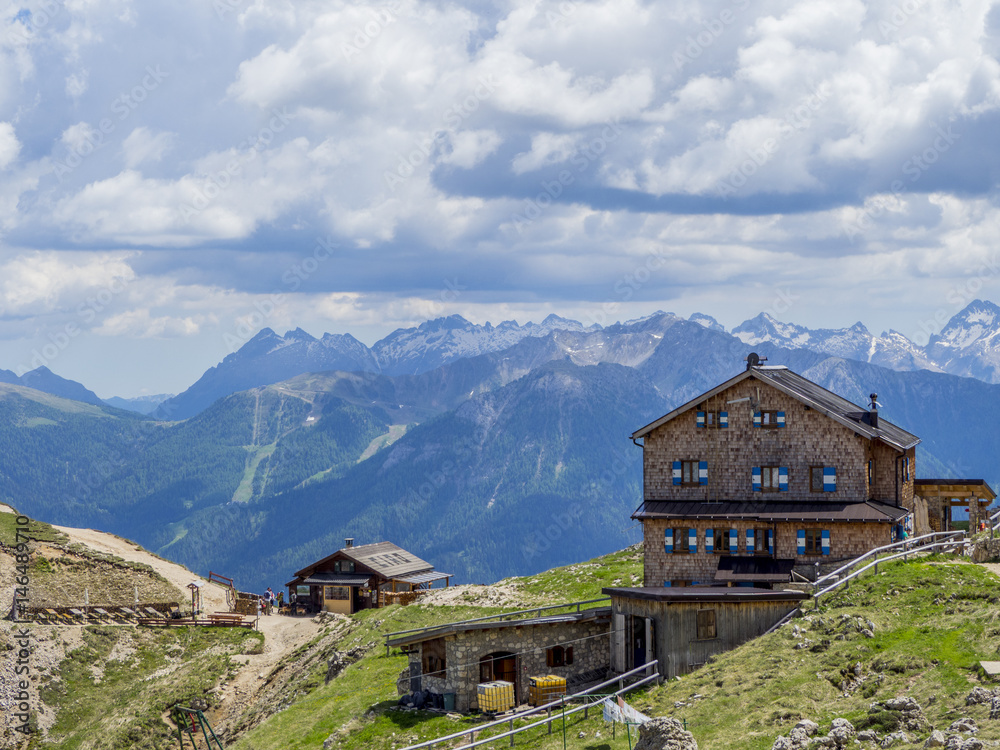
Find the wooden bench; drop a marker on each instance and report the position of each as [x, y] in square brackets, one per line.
[226, 619]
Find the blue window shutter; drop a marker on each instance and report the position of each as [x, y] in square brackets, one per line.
[826, 542]
[692, 541]
[770, 541]
[755, 479]
[709, 541]
[703, 472]
[666, 584]
[723, 419]
[783, 478]
[701, 419]
[677, 472]
[750, 545]
[829, 479]
[734, 541]
[781, 419]
[756, 419]
[801, 534]
[668, 541]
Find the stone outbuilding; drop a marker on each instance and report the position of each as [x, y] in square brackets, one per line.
[457, 657]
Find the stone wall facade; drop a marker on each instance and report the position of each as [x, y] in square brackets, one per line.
[809, 438]
[865, 470]
[464, 650]
[847, 541]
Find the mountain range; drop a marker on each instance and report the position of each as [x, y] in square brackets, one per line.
[489, 451]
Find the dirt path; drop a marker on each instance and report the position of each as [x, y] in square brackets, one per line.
[994, 568]
[282, 635]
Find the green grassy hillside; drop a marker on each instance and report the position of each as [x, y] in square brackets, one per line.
[934, 621]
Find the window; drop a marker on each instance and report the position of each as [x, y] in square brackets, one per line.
[769, 419]
[706, 624]
[343, 566]
[769, 479]
[759, 542]
[302, 591]
[557, 656]
[871, 475]
[720, 541]
[433, 661]
[712, 419]
[816, 479]
[689, 473]
[814, 542]
[682, 541]
[341, 593]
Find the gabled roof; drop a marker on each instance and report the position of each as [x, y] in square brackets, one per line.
[812, 395]
[385, 558]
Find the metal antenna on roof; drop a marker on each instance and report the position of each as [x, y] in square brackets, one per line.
[753, 360]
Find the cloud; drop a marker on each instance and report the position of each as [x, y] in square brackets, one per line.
[10, 147]
[139, 323]
[142, 146]
[42, 282]
[546, 149]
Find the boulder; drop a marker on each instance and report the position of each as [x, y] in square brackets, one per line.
[965, 724]
[868, 735]
[912, 717]
[665, 734]
[842, 732]
[808, 727]
[995, 708]
[937, 739]
[978, 695]
[972, 744]
[896, 738]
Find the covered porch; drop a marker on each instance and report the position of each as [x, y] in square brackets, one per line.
[934, 500]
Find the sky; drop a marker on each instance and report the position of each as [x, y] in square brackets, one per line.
[175, 176]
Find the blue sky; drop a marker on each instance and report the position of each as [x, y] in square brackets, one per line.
[169, 170]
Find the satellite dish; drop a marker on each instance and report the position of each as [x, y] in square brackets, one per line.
[753, 359]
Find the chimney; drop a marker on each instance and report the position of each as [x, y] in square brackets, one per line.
[349, 542]
[873, 410]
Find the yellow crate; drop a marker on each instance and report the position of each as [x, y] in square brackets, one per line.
[495, 697]
[542, 690]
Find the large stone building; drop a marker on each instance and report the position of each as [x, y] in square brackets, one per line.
[766, 474]
[759, 483]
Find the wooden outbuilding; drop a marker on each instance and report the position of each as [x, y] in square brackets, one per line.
[362, 577]
[682, 628]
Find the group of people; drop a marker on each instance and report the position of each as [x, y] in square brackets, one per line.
[270, 600]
